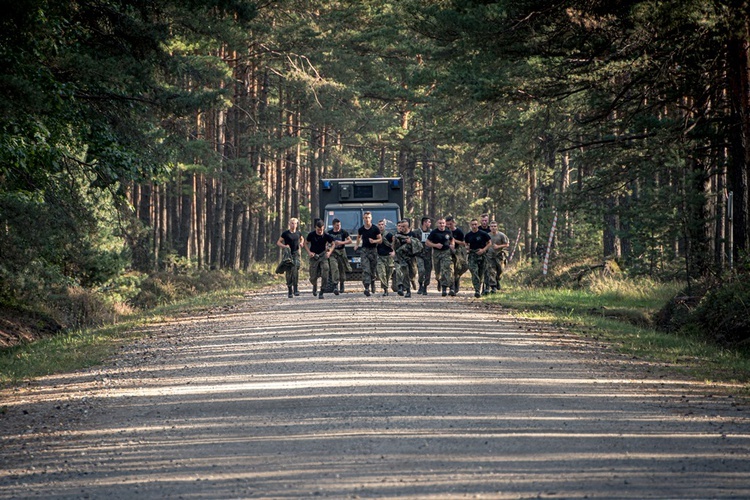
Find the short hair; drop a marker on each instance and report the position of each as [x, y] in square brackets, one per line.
[367, 213]
[319, 223]
[294, 219]
[493, 222]
[473, 220]
[384, 221]
[335, 221]
[405, 221]
[484, 215]
[449, 218]
[425, 219]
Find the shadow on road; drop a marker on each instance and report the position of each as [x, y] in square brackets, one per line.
[371, 397]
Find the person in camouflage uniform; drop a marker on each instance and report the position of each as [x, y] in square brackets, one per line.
[406, 246]
[441, 242]
[368, 237]
[477, 243]
[424, 259]
[385, 257]
[339, 262]
[319, 245]
[290, 240]
[496, 257]
[458, 254]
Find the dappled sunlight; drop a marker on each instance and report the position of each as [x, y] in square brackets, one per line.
[260, 404]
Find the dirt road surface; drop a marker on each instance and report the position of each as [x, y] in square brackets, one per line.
[379, 397]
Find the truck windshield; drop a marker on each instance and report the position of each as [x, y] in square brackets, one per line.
[351, 218]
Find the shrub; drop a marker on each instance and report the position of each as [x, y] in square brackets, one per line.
[723, 314]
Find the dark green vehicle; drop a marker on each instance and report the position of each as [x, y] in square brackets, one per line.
[348, 199]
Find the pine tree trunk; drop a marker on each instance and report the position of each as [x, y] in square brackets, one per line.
[738, 69]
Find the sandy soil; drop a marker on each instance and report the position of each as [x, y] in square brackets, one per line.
[379, 397]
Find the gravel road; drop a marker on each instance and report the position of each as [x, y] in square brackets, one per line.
[379, 397]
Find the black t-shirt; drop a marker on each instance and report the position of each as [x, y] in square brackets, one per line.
[318, 241]
[458, 234]
[366, 234]
[292, 239]
[383, 248]
[438, 236]
[476, 241]
[340, 236]
[486, 229]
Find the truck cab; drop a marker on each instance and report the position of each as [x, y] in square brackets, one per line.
[348, 199]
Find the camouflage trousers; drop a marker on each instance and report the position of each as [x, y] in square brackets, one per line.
[495, 267]
[385, 269]
[339, 266]
[424, 268]
[369, 265]
[319, 268]
[443, 264]
[405, 272]
[477, 267]
[292, 273]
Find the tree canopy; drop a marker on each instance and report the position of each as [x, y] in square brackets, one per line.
[138, 134]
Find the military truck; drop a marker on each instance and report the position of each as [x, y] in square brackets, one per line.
[347, 199]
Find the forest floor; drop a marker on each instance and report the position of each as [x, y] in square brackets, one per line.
[378, 397]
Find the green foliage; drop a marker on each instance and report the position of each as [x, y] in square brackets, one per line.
[723, 314]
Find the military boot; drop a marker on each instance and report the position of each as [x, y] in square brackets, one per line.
[341, 287]
[367, 290]
[493, 289]
[452, 292]
[296, 291]
[320, 295]
[315, 289]
[290, 294]
[385, 292]
[372, 287]
[445, 291]
[401, 290]
[408, 293]
[477, 294]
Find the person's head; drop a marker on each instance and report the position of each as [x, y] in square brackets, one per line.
[426, 222]
[319, 225]
[403, 226]
[493, 226]
[367, 218]
[381, 225]
[484, 220]
[474, 225]
[336, 225]
[450, 222]
[440, 224]
[293, 222]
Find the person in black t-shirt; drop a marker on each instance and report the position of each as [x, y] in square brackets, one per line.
[339, 262]
[289, 240]
[319, 245]
[368, 238]
[424, 259]
[385, 257]
[478, 243]
[441, 242]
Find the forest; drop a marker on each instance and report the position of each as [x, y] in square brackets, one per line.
[145, 136]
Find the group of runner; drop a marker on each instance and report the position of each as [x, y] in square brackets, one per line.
[404, 260]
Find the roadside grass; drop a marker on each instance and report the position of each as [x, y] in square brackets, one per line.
[619, 311]
[83, 348]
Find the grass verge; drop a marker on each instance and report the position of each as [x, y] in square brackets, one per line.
[620, 313]
[83, 348]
